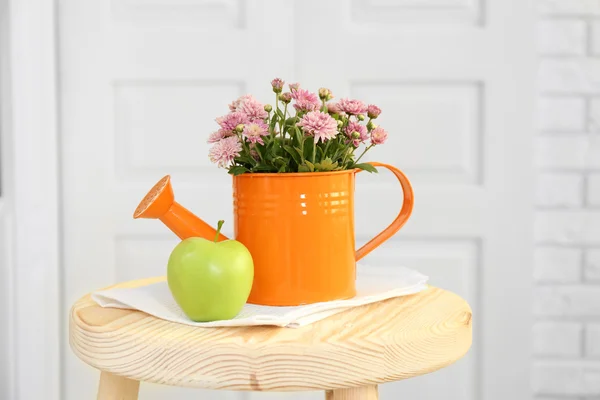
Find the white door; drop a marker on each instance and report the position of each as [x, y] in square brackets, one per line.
[143, 80]
[5, 305]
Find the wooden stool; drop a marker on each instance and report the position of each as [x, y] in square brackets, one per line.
[346, 355]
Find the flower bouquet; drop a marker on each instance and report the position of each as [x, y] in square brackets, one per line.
[294, 166]
[303, 132]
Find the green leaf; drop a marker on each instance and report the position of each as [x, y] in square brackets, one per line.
[311, 166]
[320, 153]
[298, 137]
[279, 161]
[264, 168]
[275, 148]
[292, 151]
[326, 165]
[238, 170]
[269, 145]
[260, 148]
[299, 152]
[366, 167]
[280, 113]
[290, 121]
[273, 123]
[245, 159]
[303, 168]
[282, 168]
[308, 147]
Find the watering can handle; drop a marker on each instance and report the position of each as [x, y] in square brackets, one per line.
[403, 215]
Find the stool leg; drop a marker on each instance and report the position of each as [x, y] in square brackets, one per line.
[113, 387]
[360, 393]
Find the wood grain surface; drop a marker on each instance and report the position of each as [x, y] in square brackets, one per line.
[395, 339]
[361, 393]
[113, 387]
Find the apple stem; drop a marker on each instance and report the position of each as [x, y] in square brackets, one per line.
[219, 226]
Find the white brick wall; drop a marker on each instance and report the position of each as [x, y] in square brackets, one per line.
[592, 265]
[562, 114]
[595, 32]
[561, 37]
[592, 341]
[568, 8]
[557, 265]
[563, 339]
[566, 304]
[594, 117]
[593, 190]
[573, 377]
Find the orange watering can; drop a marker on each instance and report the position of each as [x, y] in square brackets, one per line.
[299, 228]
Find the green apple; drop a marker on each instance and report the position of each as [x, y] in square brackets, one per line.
[210, 280]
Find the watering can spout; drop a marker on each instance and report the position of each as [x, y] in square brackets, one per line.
[160, 204]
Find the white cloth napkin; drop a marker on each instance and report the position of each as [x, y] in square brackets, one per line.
[372, 283]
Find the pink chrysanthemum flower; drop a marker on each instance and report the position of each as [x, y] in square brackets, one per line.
[353, 107]
[253, 108]
[319, 125]
[236, 103]
[373, 111]
[305, 100]
[225, 151]
[352, 127]
[254, 131]
[230, 121]
[378, 135]
[294, 87]
[218, 135]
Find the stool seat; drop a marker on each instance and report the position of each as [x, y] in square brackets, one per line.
[361, 347]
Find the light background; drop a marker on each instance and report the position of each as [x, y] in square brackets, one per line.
[129, 98]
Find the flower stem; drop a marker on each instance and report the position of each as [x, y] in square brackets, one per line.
[219, 226]
[244, 145]
[345, 157]
[276, 108]
[363, 153]
[282, 123]
[327, 147]
[314, 150]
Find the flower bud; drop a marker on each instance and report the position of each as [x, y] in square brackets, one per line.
[360, 117]
[371, 125]
[373, 111]
[268, 108]
[355, 135]
[325, 94]
[277, 85]
[239, 128]
[286, 97]
[334, 108]
[294, 87]
[340, 124]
